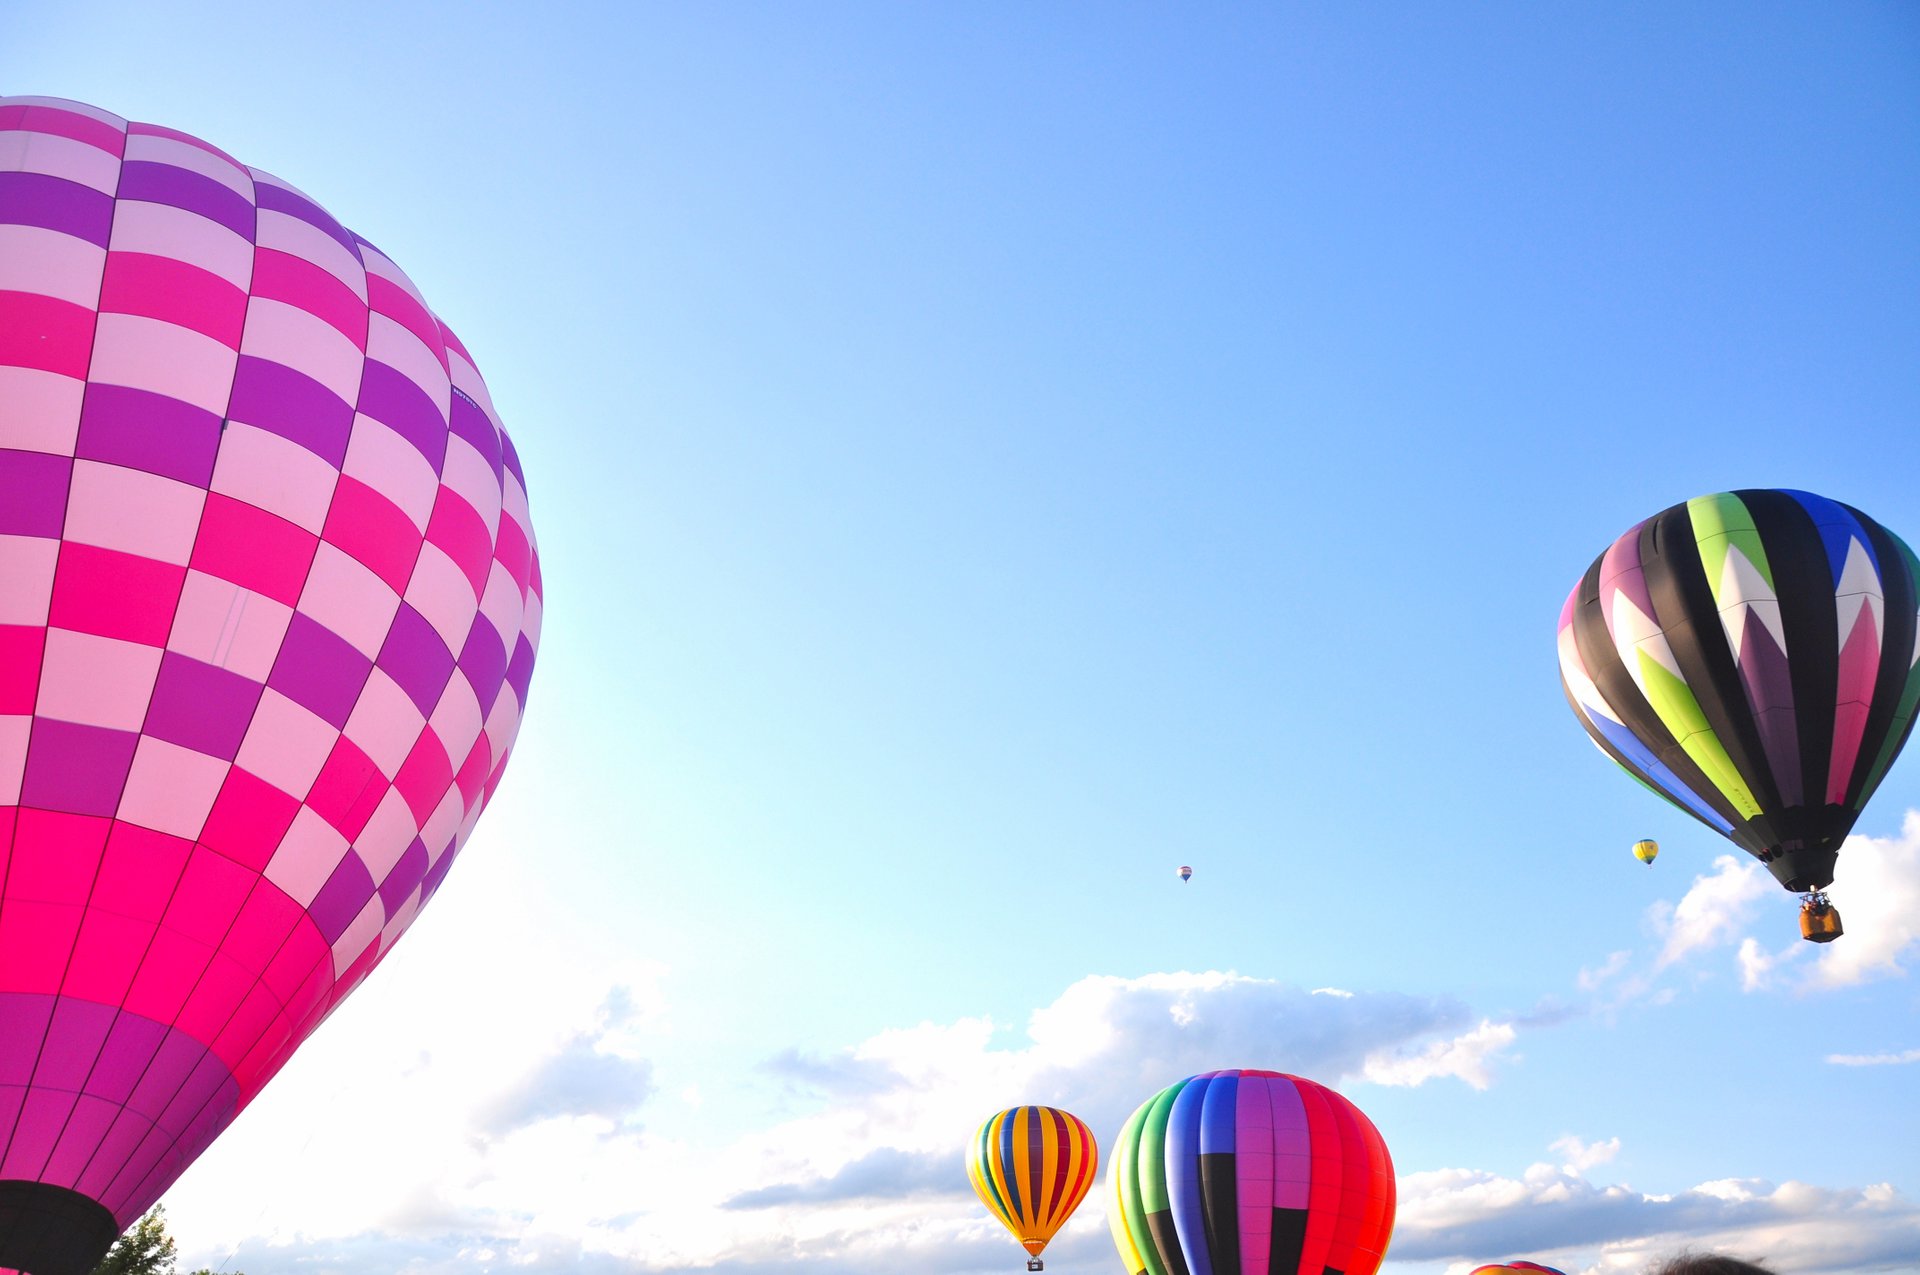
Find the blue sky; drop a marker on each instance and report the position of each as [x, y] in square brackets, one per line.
[985, 456]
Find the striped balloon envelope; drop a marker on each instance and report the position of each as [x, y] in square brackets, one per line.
[1517, 1268]
[1751, 657]
[1031, 1167]
[269, 602]
[1250, 1173]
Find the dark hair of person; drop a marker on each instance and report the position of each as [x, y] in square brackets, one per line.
[1687, 1262]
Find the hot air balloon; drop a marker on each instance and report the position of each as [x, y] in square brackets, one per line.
[1750, 656]
[1246, 1172]
[1186, 873]
[1516, 1268]
[1031, 1167]
[1646, 851]
[268, 607]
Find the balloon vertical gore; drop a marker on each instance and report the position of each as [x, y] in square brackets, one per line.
[1246, 1173]
[269, 601]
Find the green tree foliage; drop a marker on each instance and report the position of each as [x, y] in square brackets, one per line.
[146, 1249]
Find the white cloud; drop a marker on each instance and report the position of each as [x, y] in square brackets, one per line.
[1874, 1060]
[1713, 911]
[1593, 979]
[1758, 965]
[1557, 1215]
[1466, 1057]
[1582, 1156]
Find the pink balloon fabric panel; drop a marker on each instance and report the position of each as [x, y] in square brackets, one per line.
[269, 601]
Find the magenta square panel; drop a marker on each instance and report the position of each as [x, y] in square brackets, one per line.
[33, 493]
[375, 531]
[468, 422]
[425, 776]
[78, 769]
[253, 548]
[42, 1116]
[249, 818]
[293, 405]
[27, 1015]
[144, 430]
[277, 198]
[435, 875]
[393, 399]
[520, 668]
[416, 659]
[208, 898]
[405, 875]
[75, 1036]
[106, 956]
[139, 870]
[200, 706]
[348, 789]
[114, 594]
[484, 660]
[341, 898]
[55, 856]
[319, 670]
[165, 1075]
[182, 188]
[54, 203]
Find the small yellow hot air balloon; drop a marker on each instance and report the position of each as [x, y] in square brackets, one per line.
[1645, 851]
[1031, 1167]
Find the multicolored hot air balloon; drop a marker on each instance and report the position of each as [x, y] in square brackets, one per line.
[1517, 1268]
[1250, 1172]
[1031, 1167]
[1646, 851]
[268, 607]
[1750, 656]
[1186, 873]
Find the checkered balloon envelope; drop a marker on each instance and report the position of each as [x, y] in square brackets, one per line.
[269, 601]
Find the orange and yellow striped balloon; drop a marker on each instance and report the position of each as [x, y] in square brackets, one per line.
[1031, 1167]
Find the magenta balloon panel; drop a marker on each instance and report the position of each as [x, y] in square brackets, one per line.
[269, 601]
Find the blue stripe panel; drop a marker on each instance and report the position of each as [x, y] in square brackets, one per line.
[1838, 528]
[1657, 772]
[1218, 1113]
[1183, 1171]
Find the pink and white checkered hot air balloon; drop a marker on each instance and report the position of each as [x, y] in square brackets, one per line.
[268, 608]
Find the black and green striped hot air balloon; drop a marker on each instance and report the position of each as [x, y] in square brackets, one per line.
[1750, 656]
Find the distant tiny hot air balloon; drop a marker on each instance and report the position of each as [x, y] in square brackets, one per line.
[1186, 873]
[1031, 1167]
[1517, 1268]
[1236, 1171]
[1751, 657]
[1646, 851]
[271, 603]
